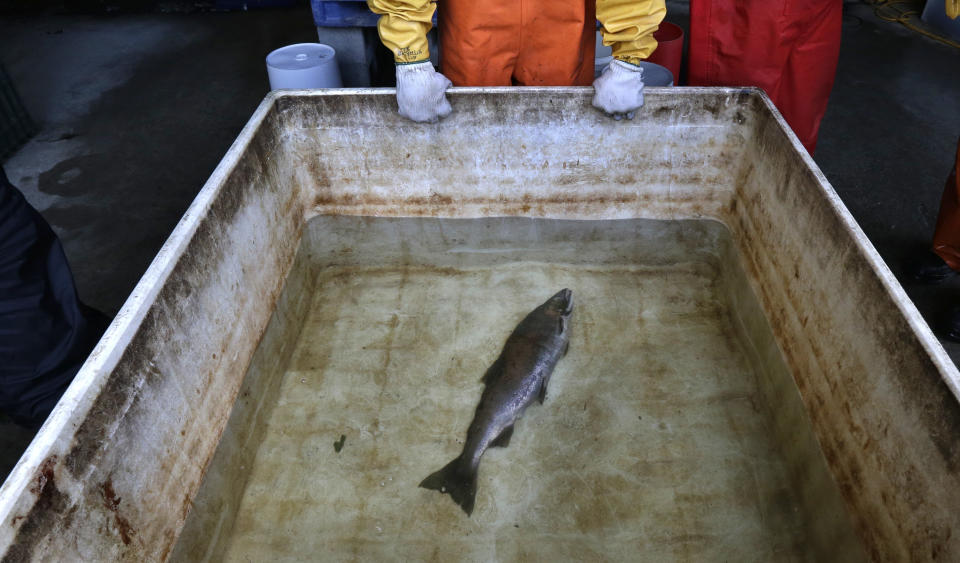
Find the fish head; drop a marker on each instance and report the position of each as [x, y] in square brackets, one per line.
[560, 304]
[550, 320]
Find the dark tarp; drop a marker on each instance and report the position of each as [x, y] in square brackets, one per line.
[46, 333]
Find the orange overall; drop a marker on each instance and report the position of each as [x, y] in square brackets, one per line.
[527, 43]
[946, 239]
[519, 42]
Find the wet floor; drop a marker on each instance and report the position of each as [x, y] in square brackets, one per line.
[664, 436]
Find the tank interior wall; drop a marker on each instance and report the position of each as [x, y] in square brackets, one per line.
[137, 431]
[214, 509]
[815, 492]
[540, 152]
[887, 421]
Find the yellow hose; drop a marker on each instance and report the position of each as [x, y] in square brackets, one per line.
[904, 13]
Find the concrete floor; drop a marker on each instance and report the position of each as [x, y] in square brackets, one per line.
[137, 110]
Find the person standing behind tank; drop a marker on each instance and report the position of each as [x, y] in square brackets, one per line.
[943, 261]
[504, 43]
[790, 48]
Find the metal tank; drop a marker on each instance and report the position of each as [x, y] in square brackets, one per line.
[746, 378]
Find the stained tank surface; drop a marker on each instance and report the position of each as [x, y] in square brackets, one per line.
[665, 434]
[198, 380]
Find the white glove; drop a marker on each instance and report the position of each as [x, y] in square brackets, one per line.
[421, 92]
[619, 89]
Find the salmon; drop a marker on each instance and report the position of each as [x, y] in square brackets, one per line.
[516, 379]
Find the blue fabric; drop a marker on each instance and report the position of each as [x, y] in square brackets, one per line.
[45, 331]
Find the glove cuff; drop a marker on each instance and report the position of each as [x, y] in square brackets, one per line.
[419, 66]
[626, 65]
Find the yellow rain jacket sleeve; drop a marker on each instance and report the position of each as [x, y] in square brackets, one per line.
[628, 27]
[403, 27]
[953, 9]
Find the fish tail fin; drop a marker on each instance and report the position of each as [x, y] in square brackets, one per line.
[460, 485]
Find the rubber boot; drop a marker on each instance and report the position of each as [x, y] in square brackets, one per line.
[929, 268]
[951, 326]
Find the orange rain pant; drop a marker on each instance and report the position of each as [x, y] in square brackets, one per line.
[529, 43]
[789, 48]
[946, 239]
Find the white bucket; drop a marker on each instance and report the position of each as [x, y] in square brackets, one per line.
[303, 66]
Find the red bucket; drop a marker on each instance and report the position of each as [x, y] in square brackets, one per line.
[669, 51]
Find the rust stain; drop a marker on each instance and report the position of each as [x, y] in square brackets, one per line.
[44, 476]
[436, 205]
[53, 511]
[169, 537]
[185, 507]
[112, 502]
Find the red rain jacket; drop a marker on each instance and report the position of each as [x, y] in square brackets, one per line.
[787, 47]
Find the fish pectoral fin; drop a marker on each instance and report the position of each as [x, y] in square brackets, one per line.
[492, 373]
[503, 440]
[542, 393]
